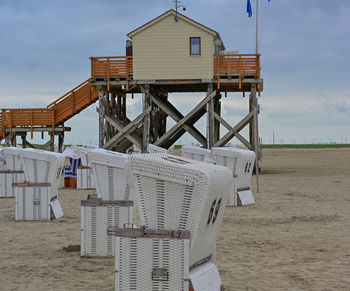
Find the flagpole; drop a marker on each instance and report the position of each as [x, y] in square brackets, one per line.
[257, 28]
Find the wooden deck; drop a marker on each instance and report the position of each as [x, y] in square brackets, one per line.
[231, 73]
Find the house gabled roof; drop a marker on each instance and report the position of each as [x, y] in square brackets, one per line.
[180, 16]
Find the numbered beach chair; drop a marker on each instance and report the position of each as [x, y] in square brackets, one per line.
[181, 204]
[241, 164]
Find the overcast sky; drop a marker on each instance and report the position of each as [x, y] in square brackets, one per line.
[45, 48]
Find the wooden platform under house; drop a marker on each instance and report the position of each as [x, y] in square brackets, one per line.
[171, 53]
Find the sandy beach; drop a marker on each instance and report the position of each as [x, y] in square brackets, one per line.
[296, 237]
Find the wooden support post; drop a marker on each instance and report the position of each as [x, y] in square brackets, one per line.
[146, 120]
[119, 107]
[123, 117]
[210, 119]
[24, 140]
[60, 142]
[163, 115]
[251, 129]
[101, 129]
[217, 111]
[253, 104]
[52, 142]
[14, 139]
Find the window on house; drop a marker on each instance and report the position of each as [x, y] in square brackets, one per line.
[195, 46]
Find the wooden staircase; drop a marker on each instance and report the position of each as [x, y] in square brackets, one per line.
[54, 114]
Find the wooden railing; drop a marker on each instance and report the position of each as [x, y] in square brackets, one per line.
[31, 117]
[112, 67]
[74, 101]
[56, 113]
[240, 65]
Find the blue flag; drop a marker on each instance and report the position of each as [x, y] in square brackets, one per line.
[249, 8]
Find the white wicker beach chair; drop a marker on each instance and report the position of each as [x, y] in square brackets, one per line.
[198, 154]
[182, 194]
[110, 172]
[43, 167]
[241, 164]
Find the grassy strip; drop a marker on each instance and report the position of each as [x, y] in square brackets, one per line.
[305, 146]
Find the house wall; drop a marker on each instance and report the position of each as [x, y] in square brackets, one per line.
[162, 51]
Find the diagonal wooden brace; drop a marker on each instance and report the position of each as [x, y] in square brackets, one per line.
[180, 124]
[171, 111]
[126, 131]
[119, 126]
[236, 134]
[234, 130]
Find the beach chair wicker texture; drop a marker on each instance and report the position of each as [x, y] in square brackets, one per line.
[95, 219]
[136, 257]
[110, 172]
[182, 194]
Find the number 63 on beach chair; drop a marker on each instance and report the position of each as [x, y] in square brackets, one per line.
[181, 204]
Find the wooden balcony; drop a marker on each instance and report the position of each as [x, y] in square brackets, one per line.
[112, 67]
[236, 65]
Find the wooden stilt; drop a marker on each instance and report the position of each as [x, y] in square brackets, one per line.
[210, 119]
[14, 140]
[24, 139]
[100, 118]
[146, 120]
[52, 142]
[60, 142]
[217, 111]
[254, 134]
